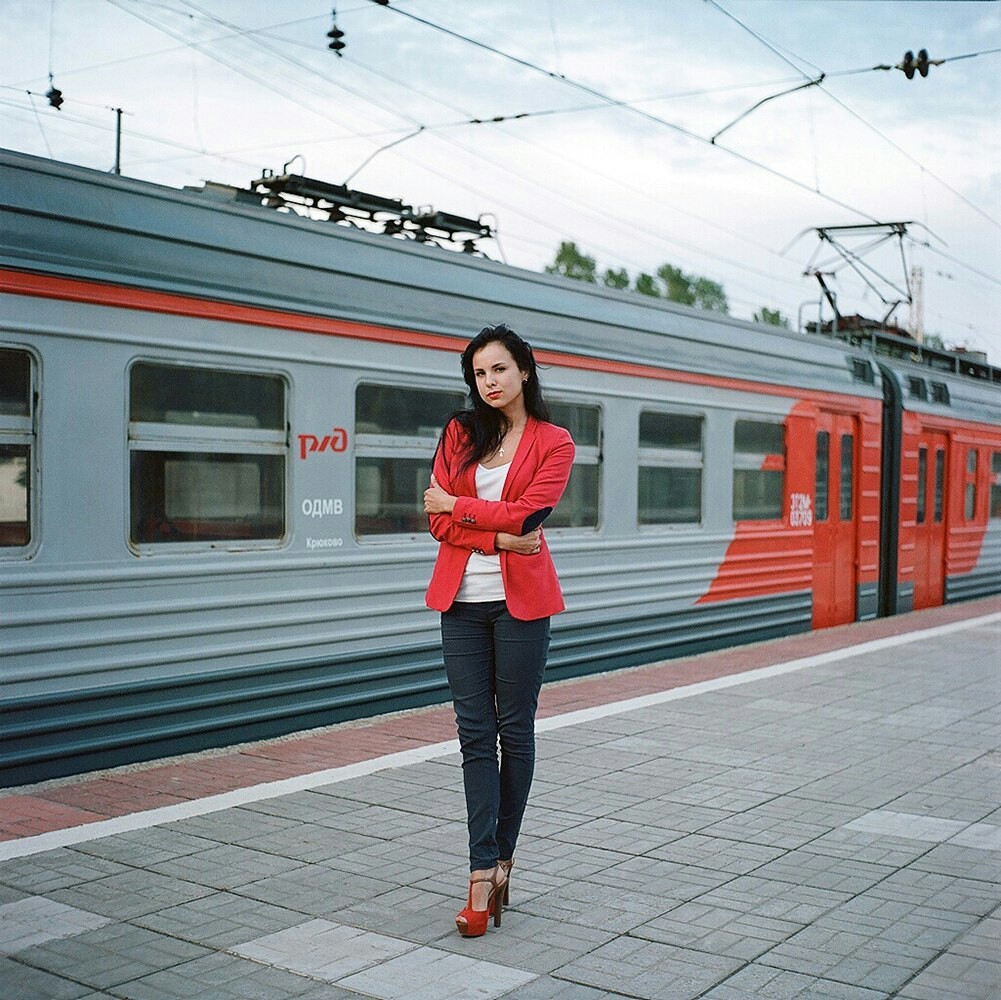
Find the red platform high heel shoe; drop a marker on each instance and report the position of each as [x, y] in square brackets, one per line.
[473, 923]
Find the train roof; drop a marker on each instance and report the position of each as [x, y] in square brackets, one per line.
[73, 221]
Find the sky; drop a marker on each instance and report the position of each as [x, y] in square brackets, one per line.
[619, 103]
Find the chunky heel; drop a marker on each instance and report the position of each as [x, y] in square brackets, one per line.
[505, 867]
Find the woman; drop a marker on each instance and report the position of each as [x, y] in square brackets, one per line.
[500, 469]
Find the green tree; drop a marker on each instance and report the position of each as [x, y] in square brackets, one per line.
[692, 290]
[709, 295]
[679, 284]
[646, 284]
[616, 278]
[571, 263]
[771, 316]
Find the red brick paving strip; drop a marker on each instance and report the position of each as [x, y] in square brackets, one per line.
[68, 802]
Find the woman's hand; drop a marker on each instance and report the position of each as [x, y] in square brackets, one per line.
[436, 500]
[525, 545]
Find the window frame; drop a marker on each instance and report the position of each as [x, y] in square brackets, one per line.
[744, 461]
[994, 492]
[22, 431]
[394, 446]
[584, 455]
[672, 458]
[210, 438]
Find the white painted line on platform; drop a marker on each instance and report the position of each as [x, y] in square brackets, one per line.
[27, 846]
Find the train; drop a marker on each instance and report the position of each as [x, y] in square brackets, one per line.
[216, 424]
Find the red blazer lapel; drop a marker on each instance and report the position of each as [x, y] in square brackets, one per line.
[512, 486]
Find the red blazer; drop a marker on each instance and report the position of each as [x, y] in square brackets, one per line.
[535, 482]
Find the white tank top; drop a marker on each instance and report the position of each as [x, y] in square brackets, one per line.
[482, 580]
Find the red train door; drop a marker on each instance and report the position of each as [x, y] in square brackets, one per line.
[835, 521]
[929, 521]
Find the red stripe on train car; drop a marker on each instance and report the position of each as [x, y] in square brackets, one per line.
[31, 283]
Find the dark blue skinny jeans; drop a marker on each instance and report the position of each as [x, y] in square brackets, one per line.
[494, 664]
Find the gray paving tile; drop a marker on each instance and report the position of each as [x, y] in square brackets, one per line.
[316, 889]
[909, 826]
[306, 842]
[604, 907]
[220, 920]
[821, 871]
[628, 838]
[939, 892]
[955, 977]
[417, 914]
[393, 862]
[139, 848]
[35, 920]
[129, 894]
[984, 836]
[234, 826]
[771, 898]
[528, 942]
[225, 866]
[548, 988]
[22, 982]
[648, 969]
[779, 984]
[322, 949]
[982, 941]
[961, 862]
[717, 930]
[58, 869]
[667, 878]
[223, 977]
[431, 974]
[717, 854]
[664, 814]
[111, 955]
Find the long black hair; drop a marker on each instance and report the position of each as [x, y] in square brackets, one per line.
[485, 425]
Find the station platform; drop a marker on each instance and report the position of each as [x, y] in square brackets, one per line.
[815, 817]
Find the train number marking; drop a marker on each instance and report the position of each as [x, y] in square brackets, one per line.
[323, 507]
[800, 510]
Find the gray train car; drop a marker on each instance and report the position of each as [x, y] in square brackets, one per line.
[216, 424]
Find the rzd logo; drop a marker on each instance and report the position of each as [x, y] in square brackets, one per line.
[336, 440]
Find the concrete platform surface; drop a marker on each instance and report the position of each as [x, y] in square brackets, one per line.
[815, 817]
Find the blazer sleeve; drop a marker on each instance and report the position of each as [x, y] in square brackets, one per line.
[442, 527]
[543, 491]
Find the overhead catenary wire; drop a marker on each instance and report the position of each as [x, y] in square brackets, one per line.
[818, 83]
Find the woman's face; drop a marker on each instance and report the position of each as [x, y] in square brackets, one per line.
[499, 380]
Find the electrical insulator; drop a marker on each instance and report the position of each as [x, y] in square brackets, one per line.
[335, 35]
[55, 96]
[908, 65]
[923, 62]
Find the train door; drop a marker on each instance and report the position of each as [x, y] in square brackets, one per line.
[834, 521]
[929, 521]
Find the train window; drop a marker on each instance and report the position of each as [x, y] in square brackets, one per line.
[821, 488]
[208, 453]
[995, 505]
[758, 470]
[922, 484]
[670, 468]
[939, 485]
[16, 448]
[579, 506]
[940, 393]
[917, 387]
[862, 370]
[971, 484]
[396, 430]
[847, 476]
